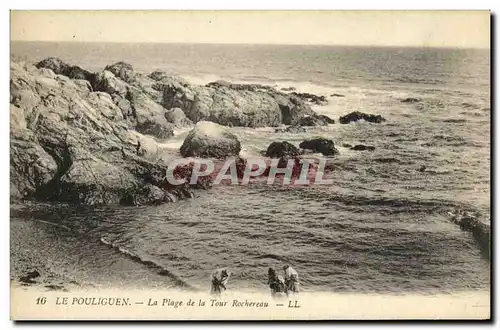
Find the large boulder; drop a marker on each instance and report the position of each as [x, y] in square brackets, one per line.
[211, 140]
[325, 146]
[356, 115]
[282, 150]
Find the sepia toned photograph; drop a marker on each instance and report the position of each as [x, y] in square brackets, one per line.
[250, 165]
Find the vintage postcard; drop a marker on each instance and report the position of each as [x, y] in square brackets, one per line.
[250, 165]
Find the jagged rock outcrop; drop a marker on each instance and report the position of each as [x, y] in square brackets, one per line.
[211, 140]
[235, 105]
[356, 115]
[70, 144]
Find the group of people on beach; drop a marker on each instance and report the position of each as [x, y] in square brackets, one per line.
[279, 285]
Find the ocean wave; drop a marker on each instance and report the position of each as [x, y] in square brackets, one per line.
[150, 264]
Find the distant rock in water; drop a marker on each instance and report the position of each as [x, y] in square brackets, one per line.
[325, 146]
[316, 99]
[337, 95]
[288, 89]
[211, 140]
[362, 147]
[346, 145]
[411, 100]
[356, 115]
[281, 150]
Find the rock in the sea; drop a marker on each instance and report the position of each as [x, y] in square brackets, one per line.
[411, 100]
[325, 146]
[362, 147]
[177, 117]
[29, 277]
[288, 89]
[211, 140]
[356, 115]
[337, 95]
[282, 149]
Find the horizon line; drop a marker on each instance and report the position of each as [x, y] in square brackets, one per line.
[254, 44]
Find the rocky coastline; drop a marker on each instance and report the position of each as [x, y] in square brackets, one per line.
[95, 137]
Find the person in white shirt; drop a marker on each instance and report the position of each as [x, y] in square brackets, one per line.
[291, 280]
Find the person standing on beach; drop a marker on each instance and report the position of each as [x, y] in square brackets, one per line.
[291, 280]
[220, 277]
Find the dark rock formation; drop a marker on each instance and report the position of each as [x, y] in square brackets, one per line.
[337, 95]
[356, 115]
[361, 147]
[59, 67]
[288, 89]
[282, 149]
[211, 140]
[325, 146]
[29, 277]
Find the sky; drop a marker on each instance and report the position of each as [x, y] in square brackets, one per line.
[470, 29]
